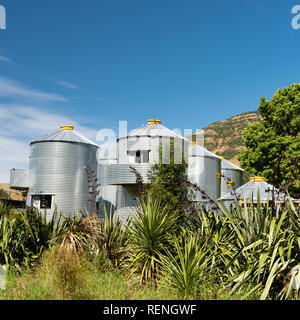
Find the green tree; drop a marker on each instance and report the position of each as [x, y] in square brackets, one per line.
[169, 184]
[273, 143]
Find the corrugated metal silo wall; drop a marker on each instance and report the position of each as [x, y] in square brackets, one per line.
[138, 143]
[204, 172]
[234, 175]
[107, 193]
[152, 144]
[58, 169]
[126, 201]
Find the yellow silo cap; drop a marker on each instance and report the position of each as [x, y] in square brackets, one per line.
[66, 127]
[154, 121]
[255, 179]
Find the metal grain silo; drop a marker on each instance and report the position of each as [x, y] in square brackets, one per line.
[233, 173]
[107, 193]
[139, 149]
[250, 190]
[60, 166]
[204, 170]
[142, 145]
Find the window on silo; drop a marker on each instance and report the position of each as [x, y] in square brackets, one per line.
[46, 201]
[41, 201]
[138, 157]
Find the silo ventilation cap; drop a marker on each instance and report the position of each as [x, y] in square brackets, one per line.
[66, 128]
[255, 179]
[152, 121]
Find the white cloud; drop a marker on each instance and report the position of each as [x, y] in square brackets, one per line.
[14, 154]
[15, 89]
[32, 121]
[20, 124]
[67, 85]
[4, 59]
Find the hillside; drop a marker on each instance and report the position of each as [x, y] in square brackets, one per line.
[224, 138]
[13, 194]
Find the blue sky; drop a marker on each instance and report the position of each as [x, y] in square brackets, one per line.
[95, 62]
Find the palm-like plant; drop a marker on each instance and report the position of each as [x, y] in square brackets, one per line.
[112, 243]
[39, 230]
[215, 232]
[4, 208]
[13, 251]
[249, 222]
[184, 270]
[25, 234]
[265, 249]
[150, 232]
[79, 234]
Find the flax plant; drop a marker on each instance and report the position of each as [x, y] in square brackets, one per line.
[150, 233]
[266, 248]
[112, 243]
[79, 235]
[185, 269]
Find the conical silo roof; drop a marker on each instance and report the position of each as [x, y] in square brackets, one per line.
[66, 134]
[229, 165]
[153, 128]
[250, 189]
[197, 150]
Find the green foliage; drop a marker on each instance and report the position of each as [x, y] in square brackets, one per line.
[4, 208]
[79, 233]
[187, 267]
[264, 250]
[273, 143]
[245, 252]
[111, 246]
[3, 194]
[168, 183]
[150, 232]
[12, 249]
[26, 234]
[38, 231]
[66, 271]
[84, 282]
